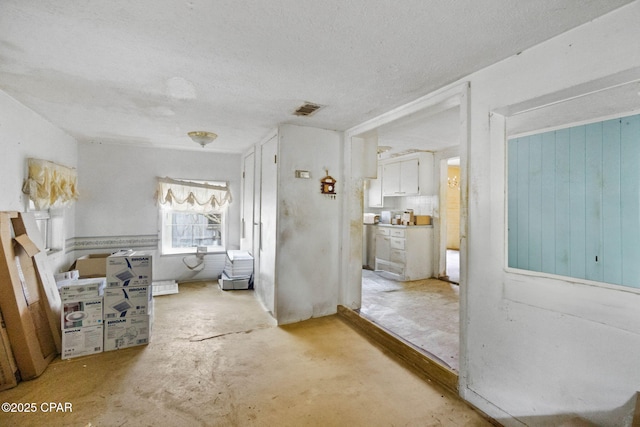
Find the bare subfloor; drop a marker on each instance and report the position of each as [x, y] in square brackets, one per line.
[217, 359]
[422, 312]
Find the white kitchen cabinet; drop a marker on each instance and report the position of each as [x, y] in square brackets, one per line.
[409, 175]
[404, 252]
[375, 190]
[383, 244]
[391, 183]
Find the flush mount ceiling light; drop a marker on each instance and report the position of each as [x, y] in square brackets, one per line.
[201, 137]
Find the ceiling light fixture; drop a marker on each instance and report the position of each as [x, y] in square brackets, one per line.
[201, 137]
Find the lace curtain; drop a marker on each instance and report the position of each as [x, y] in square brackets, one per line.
[50, 185]
[191, 196]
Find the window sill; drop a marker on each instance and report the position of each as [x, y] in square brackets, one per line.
[191, 251]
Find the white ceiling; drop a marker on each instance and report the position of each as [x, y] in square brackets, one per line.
[149, 71]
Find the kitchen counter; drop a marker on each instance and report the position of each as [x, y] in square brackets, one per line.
[402, 226]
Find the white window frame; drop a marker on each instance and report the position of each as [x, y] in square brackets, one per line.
[165, 237]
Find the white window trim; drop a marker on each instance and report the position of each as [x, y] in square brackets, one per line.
[164, 241]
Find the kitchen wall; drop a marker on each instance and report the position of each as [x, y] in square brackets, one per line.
[117, 208]
[24, 134]
[308, 242]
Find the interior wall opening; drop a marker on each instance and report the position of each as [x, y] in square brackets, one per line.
[415, 303]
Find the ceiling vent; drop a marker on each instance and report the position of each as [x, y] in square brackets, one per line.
[307, 109]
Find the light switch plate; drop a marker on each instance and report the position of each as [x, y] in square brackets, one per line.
[303, 174]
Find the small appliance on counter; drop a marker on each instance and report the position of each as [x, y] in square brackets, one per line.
[371, 218]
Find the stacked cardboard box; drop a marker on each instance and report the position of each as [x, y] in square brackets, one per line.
[81, 316]
[128, 302]
[237, 271]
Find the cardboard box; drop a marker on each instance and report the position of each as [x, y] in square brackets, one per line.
[67, 275]
[75, 289]
[227, 284]
[129, 268]
[9, 374]
[407, 217]
[81, 313]
[82, 341]
[126, 302]
[423, 220]
[127, 332]
[94, 265]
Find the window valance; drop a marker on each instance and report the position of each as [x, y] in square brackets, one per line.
[191, 196]
[50, 185]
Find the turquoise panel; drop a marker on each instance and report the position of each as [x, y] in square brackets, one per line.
[523, 203]
[577, 198]
[548, 202]
[611, 202]
[593, 202]
[535, 203]
[630, 194]
[512, 197]
[574, 202]
[563, 212]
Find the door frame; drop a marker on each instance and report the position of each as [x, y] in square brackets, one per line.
[357, 152]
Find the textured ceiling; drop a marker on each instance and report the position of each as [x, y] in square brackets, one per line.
[149, 71]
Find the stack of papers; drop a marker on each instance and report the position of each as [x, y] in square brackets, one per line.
[238, 265]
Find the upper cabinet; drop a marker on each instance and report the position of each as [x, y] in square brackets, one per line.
[375, 190]
[409, 175]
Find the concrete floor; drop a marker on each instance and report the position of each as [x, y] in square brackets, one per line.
[425, 313]
[217, 359]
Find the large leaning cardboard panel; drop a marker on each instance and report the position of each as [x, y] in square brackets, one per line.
[9, 374]
[27, 225]
[21, 302]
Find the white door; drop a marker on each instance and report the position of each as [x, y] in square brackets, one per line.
[248, 172]
[267, 228]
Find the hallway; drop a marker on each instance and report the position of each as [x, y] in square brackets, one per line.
[216, 358]
[423, 312]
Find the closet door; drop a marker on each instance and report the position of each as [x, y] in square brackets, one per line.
[267, 228]
[248, 176]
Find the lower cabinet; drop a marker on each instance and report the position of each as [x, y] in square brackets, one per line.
[404, 253]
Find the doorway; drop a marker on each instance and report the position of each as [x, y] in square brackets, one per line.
[424, 313]
[450, 214]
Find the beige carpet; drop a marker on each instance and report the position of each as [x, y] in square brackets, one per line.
[216, 359]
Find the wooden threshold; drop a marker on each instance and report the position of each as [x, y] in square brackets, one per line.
[420, 363]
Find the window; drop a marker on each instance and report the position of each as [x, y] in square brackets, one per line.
[185, 231]
[50, 223]
[574, 202]
[192, 214]
[43, 221]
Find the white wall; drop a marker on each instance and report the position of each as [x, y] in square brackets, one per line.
[25, 134]
[543, 349]
[308, 242]
[117, 184]
[535, 350]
